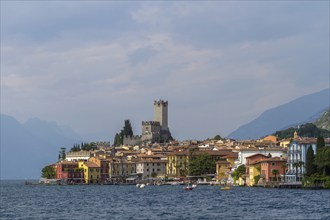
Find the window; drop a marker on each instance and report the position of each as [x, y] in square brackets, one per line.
[147, 170]
[273, 163]
[158, 164]
[147, 164]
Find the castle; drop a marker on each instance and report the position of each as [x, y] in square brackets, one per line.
[157, 130]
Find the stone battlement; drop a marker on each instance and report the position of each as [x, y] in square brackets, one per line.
[160, 102]
[156, 123]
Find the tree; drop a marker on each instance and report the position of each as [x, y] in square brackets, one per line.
[239, 172]
[300, 165]
[217, 137]
[127, 130]
[48, 172]
[323, 161]
[296, 165]
[320, 142]
[284, 166]
[116, 142]
[310, 163]
[275, 173]
[202, 164]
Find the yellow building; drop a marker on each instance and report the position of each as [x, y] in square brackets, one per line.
[223, 167]
[222, 170]
[284, 143]
[254, 170]
[177, 164]
[92, 172]
[121, 167]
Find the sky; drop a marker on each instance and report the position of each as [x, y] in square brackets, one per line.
[220, 64]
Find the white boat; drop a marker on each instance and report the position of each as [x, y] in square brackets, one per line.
[142, 185]
[194, 185]
[138, 185]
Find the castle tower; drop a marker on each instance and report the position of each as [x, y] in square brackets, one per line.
[161, 113]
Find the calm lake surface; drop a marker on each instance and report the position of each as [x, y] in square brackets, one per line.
[19, 201]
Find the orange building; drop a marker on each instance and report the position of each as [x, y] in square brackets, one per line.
[270, 164]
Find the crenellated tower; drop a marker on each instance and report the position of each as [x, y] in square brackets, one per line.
[161, 113]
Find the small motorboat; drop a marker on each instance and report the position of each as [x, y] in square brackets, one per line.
[138, 185]
[225, 188]
[142, 185]
[194, 185]
[188, 187]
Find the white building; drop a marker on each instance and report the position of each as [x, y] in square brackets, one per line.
[246, 152]
[297, 153]
[78, 156]
[149, 168]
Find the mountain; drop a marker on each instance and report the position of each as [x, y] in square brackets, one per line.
[323, 122]
[304, 130]
[27, 148]
[284, 116]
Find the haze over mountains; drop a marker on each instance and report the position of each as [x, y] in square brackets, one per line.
[27, 147]
[301, 110]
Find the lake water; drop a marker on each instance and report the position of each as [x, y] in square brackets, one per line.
[19, 201]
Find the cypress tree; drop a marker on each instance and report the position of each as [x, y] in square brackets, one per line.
[310, 163]
[320, 142]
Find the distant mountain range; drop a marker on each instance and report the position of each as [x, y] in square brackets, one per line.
[26, 148]
[299, 111]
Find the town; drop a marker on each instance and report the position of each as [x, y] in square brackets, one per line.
[155, 157]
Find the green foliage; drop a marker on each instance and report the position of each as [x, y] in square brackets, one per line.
[239, 172]
[323, 161]
[256, 179]
[202, 164]
[217, 137]
[317, 180]
[125, 131]
[275, 173]
[306, 130]
[117, 141]
[320, 142]
[310, 162]
[48, 172]
[84, 147]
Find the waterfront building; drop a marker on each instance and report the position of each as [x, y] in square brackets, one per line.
[178, 161]
[121, 167]
[69, 172]
[151, 168]
[91, 172]
[297, 157]
[267, 167]
[243, 153]
[104, 167]
[253, 168]
[224, 167]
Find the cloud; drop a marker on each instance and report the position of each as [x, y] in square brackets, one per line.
[219, 64]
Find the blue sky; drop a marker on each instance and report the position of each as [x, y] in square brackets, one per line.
[220, 64]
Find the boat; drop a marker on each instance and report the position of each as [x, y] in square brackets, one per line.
[194, 185]
[142, 185]
[188, 187]
[138, 185]
[225, 188]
